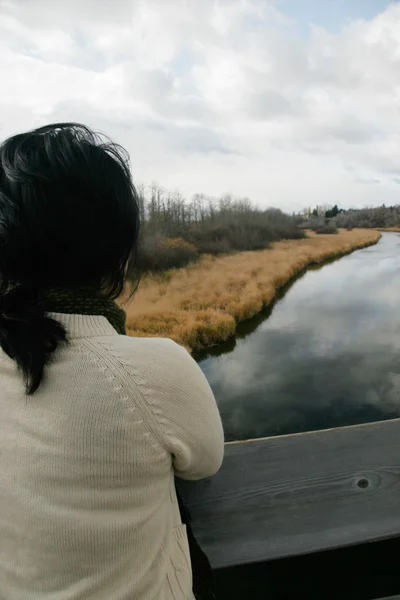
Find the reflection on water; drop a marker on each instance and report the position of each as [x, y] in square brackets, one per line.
[328, 355]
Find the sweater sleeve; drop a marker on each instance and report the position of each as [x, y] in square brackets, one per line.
[191, 427]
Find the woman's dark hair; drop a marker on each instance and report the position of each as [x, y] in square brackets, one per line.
[69, 218]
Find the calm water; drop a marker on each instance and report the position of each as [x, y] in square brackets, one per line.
[328, 355]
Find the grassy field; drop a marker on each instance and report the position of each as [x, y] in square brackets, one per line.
[200, 305]
[395, 228]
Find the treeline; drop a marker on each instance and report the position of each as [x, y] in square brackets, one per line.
[369, 217]
[382, 216]
[176, 231]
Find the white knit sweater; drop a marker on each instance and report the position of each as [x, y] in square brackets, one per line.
[88, 508]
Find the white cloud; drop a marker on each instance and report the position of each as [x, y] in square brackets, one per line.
[214, 95]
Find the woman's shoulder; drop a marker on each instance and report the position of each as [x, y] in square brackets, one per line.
[146, 345]
[150, 354]
[161, 367]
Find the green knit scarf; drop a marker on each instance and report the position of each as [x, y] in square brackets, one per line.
[85, 301]
[88, 301]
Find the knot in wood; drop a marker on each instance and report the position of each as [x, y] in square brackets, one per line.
[363, 483]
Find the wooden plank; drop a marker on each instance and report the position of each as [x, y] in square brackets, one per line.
[297, 494]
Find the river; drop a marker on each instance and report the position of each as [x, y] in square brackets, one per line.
[327, 355]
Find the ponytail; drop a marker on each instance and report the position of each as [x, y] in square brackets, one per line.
[27, 334]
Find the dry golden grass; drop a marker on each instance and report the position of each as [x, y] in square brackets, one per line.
[200, 305]
[395, 228]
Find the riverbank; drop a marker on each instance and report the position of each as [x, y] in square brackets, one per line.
[394, 229]
[200, 306]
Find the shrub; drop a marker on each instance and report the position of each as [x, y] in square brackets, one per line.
[166, 253]
[326, 229]
[288, 232]
[296, 233]
[214, 234]
[214, 247]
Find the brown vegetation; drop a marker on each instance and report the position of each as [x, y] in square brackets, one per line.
[326, 229]
[161, 254]
[395, 228]
[200, 305]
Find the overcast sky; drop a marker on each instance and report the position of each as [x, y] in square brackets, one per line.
[289, 102]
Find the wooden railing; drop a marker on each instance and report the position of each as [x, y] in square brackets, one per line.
[296, 494]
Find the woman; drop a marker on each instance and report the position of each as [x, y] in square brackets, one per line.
[93, 424]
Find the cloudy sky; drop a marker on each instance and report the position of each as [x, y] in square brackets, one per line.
[289, 102]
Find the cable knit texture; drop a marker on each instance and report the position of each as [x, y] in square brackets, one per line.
[88, 507]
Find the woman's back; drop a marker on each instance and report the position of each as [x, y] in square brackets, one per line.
[87, 499]
[94, 425]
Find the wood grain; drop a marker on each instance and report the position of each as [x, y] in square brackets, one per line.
[297, 494]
